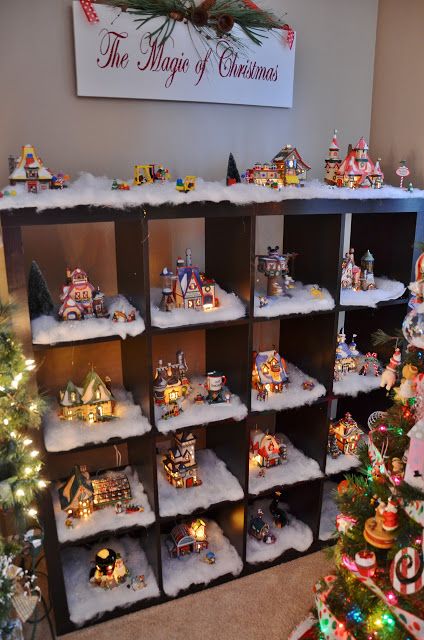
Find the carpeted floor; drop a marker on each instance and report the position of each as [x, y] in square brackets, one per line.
[264, 606]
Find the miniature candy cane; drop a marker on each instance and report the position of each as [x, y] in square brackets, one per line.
[407, 571]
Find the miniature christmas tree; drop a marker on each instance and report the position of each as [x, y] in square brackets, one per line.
[39, 299]
[233, 175]
[377, 589]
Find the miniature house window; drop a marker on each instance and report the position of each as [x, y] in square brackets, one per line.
[173, 395]
[73, 396]
[198, 302]
[192, 286]
[207, 289]
[85, 294]
[100, 411]
[77, 295]
[265, 369]
[91, 417]
[190, 304]
[98, 395]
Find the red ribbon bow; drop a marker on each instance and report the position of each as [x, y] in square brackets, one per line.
[89, 11]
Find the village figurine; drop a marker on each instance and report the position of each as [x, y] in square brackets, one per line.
[93, 402]
[30, 171]
[218, 392]
[269, 373]
[357, 170]
[209, 557]
[287, 169]
[275, 267]
[358, 278]
[184, 539]
[109, 570]
[188, 288]
[348, 358]
[332, 446]
[259, 529]
[316, 292]
[137, 583]
[308, 385]
[263, 301]
[347, 434]
[120, 315]
[379, 530]
[186, 185]
[80, 495]
[180, 463]
[277, 511]
[388, 377]
[120, 185]
[80, 299]
[119, 508]
[266, 450]
[403, 172]
[149, 173]
[171, 385]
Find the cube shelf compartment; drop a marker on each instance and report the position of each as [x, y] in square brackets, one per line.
[136, 243]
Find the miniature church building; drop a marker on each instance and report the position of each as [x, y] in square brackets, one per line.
[347, 356]
[79, 297]
[76, 494]
[180, 464]
[189, 288]
[367, 272]
[29, 170]
[357, 170]
[347, 434]
[171, 383]
[414, 472]
[266, 450]
[93, 402]
[269, 373]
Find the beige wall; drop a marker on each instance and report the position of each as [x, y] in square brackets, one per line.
[397, 125]
[333, 86]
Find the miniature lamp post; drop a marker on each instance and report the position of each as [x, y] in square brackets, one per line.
[402, 171]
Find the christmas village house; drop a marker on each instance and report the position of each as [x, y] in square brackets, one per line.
[414, 472]
[80, 495]
[269, 372]
[29, 169]
[347, 356]
[93, 402]
[171, 383]
[188, 288]
[180, 464]
[266, 450]
[347, 434]
[356, 170]
[78, 299]
[185, 539]
[286, 169]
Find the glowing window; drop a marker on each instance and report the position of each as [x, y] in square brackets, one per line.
[173, 395]
[193, 286]
[190, 304]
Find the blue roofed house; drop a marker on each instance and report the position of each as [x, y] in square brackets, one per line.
[191, 288]
[269, 372]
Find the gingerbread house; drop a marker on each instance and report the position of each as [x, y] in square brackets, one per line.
[266, 450]
[30, 170]
[79, 297]
[269, 372]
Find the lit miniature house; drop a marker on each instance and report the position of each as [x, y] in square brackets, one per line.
[180, 464]
[79, 297]
[269, 372]
[93, 402]
[347, 434]
[351, 273]
[286, 169]
[184, 540]
[266, 450]
[275, 267]
[414, 472]
[357, 170]
[259, 529]
[347, 356]
[76, 495]
[29, 170]
[188, 288]
[171, 382]
[110, 569]
[80, 494]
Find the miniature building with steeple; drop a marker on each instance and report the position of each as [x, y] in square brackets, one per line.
[333, 161]
[269, 372]
[29, 170]
[347, 356]
[191, 289]
[171, 383]
[93, 402]
[357, 170]
[180, 464]
[367, 271]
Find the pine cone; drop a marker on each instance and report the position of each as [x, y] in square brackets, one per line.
[225, 23]
[178, 16]
[199, 17]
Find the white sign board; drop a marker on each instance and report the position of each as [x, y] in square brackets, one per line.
[114, 59]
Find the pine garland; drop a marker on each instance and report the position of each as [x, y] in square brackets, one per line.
[213, 20]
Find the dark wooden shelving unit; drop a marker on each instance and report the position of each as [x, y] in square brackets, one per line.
[317, 230]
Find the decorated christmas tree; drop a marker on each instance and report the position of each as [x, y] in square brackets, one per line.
[39, 299]
[20, 412]
[377, 590]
